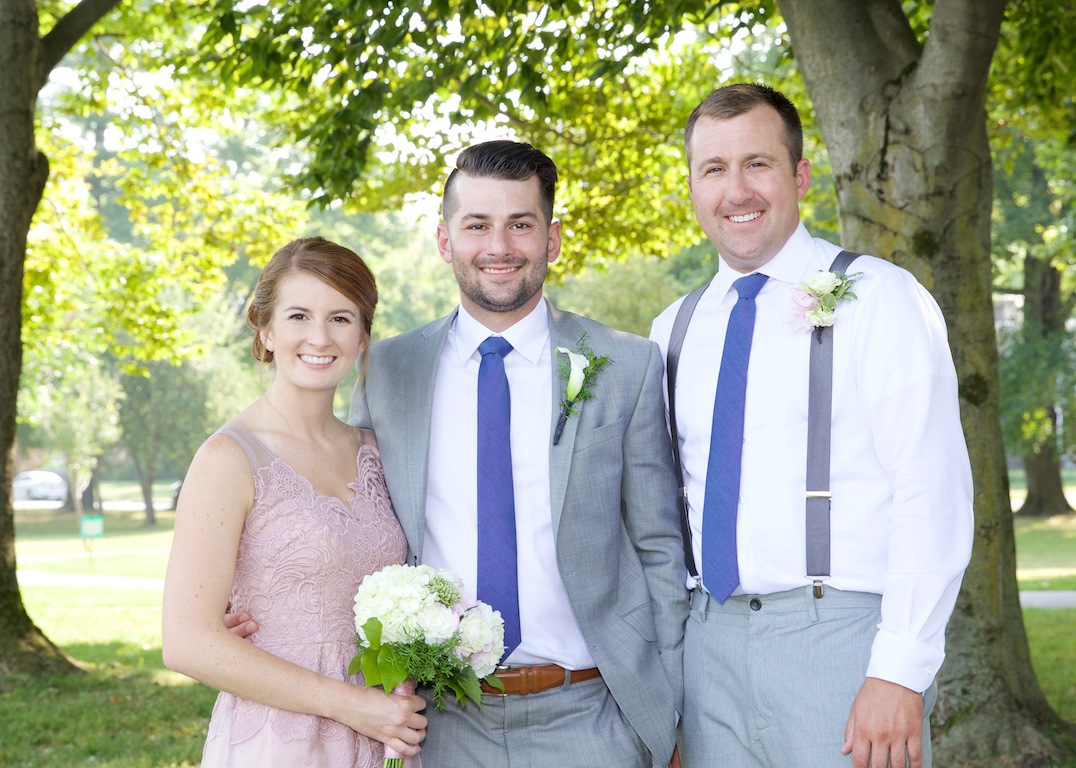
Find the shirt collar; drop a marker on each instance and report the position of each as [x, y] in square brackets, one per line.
[790, 265]
[529, 336]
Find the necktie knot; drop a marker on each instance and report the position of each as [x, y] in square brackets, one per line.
[495, 345]
[748, 287]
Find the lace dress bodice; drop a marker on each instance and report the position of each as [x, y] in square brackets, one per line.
[301, 559]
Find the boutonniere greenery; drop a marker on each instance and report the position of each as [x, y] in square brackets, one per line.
[578, 370]
[815, 301]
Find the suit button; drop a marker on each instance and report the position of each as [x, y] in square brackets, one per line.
[756, 604]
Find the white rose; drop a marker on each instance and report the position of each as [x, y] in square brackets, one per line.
[481, 639]
[822, 282]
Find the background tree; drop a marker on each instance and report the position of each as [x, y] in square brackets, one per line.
[164, 415]
[1038, 358]
[190, 208]
[1032, 120]
[26, 59]
[78, 412]
[900, 95]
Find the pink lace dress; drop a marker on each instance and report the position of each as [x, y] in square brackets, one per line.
[301, 559]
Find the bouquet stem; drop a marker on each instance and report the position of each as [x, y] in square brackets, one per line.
[394, 759]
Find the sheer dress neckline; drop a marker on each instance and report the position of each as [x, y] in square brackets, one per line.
[353, 486]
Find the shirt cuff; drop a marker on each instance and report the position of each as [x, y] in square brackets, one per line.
[904, 661]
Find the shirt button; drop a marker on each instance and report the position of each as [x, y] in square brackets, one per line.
[756, 604]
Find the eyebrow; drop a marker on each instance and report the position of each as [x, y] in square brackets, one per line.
[486, 216]
[717, 159]
[297, 308]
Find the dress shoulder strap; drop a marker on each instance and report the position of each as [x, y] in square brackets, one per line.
[257, 453]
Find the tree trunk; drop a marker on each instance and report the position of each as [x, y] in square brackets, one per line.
[145, 480]
[1044, 317]
[1045, 492]
[905, 126]
[91, 496]
[23, 171]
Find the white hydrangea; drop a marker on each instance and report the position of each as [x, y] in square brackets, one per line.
[401, 599]
[436, 622]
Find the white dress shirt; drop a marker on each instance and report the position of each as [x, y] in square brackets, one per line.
[549, 629]
[901, 521]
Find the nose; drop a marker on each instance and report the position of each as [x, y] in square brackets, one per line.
[738, 190]
[319, 335]
[498, 241]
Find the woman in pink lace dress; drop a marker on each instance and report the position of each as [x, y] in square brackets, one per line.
[284, 511]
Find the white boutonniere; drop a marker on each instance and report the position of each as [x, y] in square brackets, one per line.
[814, 302]
[578, 371]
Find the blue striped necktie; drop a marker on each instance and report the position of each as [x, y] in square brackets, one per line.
[720, 570]
[497, 576]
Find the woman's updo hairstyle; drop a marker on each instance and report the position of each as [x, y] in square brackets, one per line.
[336, 266]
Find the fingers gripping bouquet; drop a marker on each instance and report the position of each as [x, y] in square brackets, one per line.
[416, 626]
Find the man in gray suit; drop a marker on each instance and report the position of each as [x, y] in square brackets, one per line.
[596, 676]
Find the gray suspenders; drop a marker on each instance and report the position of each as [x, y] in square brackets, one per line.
[819, 420]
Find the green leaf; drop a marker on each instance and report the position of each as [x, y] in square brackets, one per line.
[373, 628]
[370, 669]
[392, 673]
[472, 689]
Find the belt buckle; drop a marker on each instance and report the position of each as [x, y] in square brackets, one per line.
[501, 693]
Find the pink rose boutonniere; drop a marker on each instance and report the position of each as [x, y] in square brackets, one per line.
[814, 302]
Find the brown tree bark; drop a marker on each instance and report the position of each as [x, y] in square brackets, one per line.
[25, 62]
[905, 126]
[1044, 317]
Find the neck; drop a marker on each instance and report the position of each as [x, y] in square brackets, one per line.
[302, 414]
[499, 322]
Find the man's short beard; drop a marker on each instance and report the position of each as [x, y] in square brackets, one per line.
[472, 288]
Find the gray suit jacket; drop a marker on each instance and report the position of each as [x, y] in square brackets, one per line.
[613, 492]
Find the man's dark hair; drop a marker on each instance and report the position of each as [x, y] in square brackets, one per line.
[511, 160]
[740, 98]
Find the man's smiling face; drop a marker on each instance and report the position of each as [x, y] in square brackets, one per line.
[745, 187]
[500, 245]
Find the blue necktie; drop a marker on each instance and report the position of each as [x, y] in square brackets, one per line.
[497, 579]
[720, 571]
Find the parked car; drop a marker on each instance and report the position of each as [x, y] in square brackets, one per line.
[39, 484]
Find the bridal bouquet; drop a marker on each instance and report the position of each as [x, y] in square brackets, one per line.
[415, 626]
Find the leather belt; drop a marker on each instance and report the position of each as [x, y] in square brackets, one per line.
[519, 681]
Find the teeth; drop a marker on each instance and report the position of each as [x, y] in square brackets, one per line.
[745, 217]
[498, 270]
[310, 359]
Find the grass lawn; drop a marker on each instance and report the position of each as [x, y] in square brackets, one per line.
[128, 711]
[1046, 552]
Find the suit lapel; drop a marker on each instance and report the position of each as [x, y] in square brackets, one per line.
[564, 331]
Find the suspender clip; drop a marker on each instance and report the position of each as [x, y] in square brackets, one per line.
[818, 589]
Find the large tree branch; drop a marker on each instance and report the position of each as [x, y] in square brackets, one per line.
[68, 31]
[863, 42]
[956, 57]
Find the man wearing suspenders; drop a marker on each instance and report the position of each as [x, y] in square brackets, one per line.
[826, 483]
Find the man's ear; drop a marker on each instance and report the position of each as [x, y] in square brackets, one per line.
[553, 248]
[444, 245]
